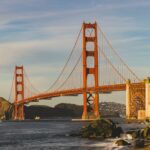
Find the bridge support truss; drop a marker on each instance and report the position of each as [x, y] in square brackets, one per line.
[90, 99]
[138, 100]
[19, 93]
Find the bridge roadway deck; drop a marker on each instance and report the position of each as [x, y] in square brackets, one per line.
[75, 92]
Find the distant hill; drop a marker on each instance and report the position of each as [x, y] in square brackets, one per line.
[6, 109]
[107, 109]
[60, 110]
[112, 109]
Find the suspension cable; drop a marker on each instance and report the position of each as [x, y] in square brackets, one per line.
[112, 64]
[70, 73]
[118, 54]
[11, 87]
[30, 82]
[66, 62]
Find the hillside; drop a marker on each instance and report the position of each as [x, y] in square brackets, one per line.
[60, 110]
[107, 109]
[6, 109]
[112, 109]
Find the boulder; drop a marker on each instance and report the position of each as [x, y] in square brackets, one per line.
[139, 143]
[116, 132]
[122, 142]
[142, 133]
[102, 128]
[126, 136]
[141, 136]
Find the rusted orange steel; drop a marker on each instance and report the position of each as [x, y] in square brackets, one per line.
[100, 89]
[90, 100]
[19, 93]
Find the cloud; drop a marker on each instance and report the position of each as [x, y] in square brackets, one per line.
[128, 40]
[42, 76]
[115, 5]
[11, 51]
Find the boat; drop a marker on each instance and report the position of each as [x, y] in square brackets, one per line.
[37, 118]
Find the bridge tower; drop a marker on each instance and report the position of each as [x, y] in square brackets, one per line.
[19, 93]
[90, 99]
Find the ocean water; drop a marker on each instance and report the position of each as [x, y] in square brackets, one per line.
[47, 135]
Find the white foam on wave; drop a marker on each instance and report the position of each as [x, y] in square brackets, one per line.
[109, 144]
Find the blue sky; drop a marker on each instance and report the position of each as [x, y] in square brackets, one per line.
[40, 34]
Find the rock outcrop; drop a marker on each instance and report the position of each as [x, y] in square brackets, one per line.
[139, 138]
[103, 128]
[6, 109]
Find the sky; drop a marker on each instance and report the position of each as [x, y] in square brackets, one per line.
[39, 34]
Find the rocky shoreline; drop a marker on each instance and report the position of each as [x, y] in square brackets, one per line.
[131, 136]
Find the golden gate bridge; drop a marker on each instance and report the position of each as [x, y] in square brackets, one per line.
[93, 67]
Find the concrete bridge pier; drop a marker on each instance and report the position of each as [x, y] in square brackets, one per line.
[138, 100]
[128, 82]
[147, 98]
[135, 100]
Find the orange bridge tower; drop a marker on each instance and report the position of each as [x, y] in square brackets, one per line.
[19, 93]
[90, 99]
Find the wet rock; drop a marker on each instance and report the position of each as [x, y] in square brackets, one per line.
[102, 128]
[142, 133]
[117, 132]
[141, 137]
[139, 143]
[126, 136]
[146, 132]
[122, 142]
